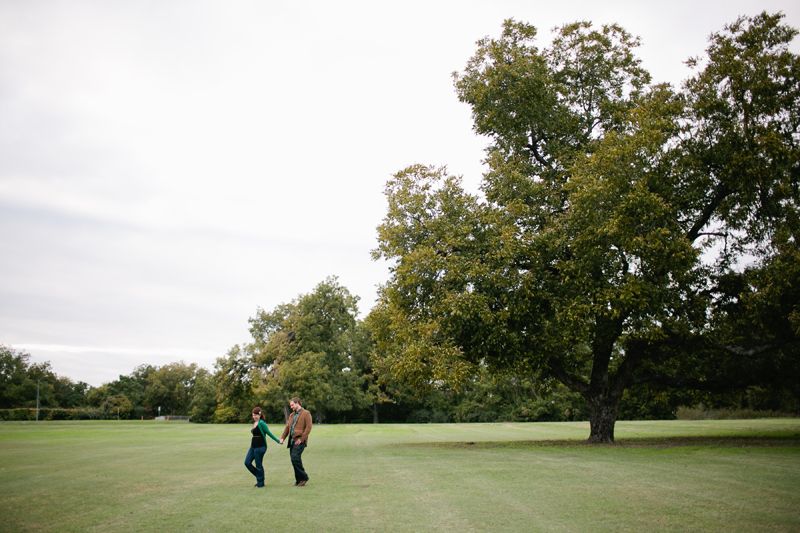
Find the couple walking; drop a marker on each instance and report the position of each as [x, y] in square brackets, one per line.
[297, 429]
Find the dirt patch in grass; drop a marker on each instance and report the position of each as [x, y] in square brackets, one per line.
[651, 442]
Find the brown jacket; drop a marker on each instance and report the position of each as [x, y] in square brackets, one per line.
[301, 429]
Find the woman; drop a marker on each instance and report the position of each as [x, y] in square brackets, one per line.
[258, 446]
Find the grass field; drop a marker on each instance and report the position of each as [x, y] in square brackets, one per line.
[725, 475]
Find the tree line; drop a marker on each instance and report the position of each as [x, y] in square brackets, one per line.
[315, 347]
[137, 395]
[633, 248]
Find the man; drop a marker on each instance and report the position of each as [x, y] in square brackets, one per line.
[297, 429]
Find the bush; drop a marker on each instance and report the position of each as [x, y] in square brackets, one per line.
[140, 412]
[227, 415]
[56, 414]
[427, 416]
[88, 413]
[118, 406]
[701, 413]
[560, 406]
[472, 411]
[50, 413]
[18, 414]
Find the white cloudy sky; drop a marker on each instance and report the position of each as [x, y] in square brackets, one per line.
[168, 166]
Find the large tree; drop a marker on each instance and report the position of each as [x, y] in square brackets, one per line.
[626, 231]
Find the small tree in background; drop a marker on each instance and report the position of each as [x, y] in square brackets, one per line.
[308, 346]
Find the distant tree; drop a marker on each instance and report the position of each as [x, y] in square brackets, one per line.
[307, 346]
[16, 387]
[170, 387]
[204, 397]
[19, 377]
[626, 233]
[233, 381]
[376, 386]
[117, 406]
[69, 394]
[129, 387]
[97, 395]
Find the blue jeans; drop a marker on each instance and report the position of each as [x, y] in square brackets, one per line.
[258, 470]
[297, 462]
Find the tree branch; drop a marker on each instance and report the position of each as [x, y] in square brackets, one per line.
[534, 148]
[722, 192]
[624, 374]
[570, 381]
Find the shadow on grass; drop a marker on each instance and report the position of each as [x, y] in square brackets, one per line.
[648, 442]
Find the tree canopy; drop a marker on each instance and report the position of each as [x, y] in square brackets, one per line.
[308, 347]
[18, 383]
[626, 232]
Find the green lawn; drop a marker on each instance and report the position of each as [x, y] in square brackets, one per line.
[725, 475]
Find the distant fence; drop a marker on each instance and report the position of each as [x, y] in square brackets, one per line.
[173, 418]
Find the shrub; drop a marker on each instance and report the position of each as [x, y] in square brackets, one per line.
[227, 415]
[88, 413]
[701, 413]
[427, 416]
[56, 414]
[18, 414]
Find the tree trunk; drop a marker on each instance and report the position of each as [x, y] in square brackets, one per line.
[286, 411]
[319, 416]
[603, 393]
[374, 411]
[603, 412]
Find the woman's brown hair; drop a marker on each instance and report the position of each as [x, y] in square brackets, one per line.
[260, 413]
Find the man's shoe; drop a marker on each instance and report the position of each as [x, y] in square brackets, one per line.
[302, 483]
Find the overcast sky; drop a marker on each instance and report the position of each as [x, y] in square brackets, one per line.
[166, 167]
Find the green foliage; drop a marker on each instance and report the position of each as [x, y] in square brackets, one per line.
[313, 349]
[18, 414]
[508, 398]
[374, 386]
[233, 380]
[17, 386]
[139, 394]
[131, 386]
[204, 397]
[702, 413]
[97, 395]
[610, 242]
[170, 387]
[68, 394]
[54, 413]
[118, 406]
[18, 378]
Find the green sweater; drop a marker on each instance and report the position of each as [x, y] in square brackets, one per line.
[262, 426]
